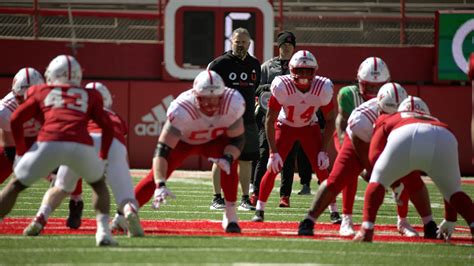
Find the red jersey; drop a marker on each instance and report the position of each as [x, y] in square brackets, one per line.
[120, 126]
[385, 124]
[65, 111]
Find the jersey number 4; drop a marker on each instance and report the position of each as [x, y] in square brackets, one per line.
[56, 98]
[305, 116]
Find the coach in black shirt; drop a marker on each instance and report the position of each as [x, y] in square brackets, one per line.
[241, 72]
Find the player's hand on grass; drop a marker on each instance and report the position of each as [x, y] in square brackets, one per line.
[160, 196]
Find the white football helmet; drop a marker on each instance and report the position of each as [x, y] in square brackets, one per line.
[414, 104]
[303, 66]
[208, 87]
[390, 96]
[25, 78]
[64, 70]
[208, 83]
[372, 73]
[106, 96]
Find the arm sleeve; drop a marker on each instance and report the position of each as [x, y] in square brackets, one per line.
[360, 127]
[345, 101]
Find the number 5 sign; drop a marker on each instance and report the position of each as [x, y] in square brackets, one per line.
[196, 32]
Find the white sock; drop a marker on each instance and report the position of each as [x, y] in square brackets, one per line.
[261, 205]
[103, 222]
[368, 225]
[44, 210]
[332, 207]
[309, 217]
[402, 220]
[346, 216]
[230, 212]
[76, 198]
[427, 219]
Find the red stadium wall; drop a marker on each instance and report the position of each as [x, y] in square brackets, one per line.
[133, 73]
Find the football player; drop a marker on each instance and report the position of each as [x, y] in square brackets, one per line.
[118, 176]
[205, 120]
[407, 141]
[24, 78]
[372, 73]
[353, 158]
[63, 139]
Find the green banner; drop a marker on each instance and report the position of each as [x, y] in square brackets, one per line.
[455, 44]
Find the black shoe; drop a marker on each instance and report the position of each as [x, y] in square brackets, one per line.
[233, 228]
[336, 218]
[246, 205]
[306, 228]
[305, 190]
[75, 213]
[259, 216]
[430, 230]
[217, 203]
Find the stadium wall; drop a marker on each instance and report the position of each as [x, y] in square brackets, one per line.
[135, 76]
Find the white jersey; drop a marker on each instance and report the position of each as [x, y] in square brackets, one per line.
[362, 119]
[198, 128]
[299, 108]
[7, 106]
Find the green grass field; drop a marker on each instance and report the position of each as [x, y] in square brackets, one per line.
[194, 192]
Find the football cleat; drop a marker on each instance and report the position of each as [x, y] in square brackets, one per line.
[430, 230]
[305, 190]
[135, 229]
[284, 202]
[347, 227]
[233, 228]
[75, 213]
[258, 217]
[246, 205]
[306, 228]
[119, 223]
[335, 218]
[405, 229]
[217, 204]
[104, 239]
[35, 227]
[364, 235]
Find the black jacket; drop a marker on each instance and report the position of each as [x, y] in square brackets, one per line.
[244, 76]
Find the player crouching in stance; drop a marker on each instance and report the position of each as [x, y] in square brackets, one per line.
[412, 140]
[66, 109]
[117, 175]
[205, 120]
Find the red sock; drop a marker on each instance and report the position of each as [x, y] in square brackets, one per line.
[403, 209]
[450, 214]
[348, 197]
[78, 190]
[463, 205]
[266, 186]
[145, 189]
[230, 183]
[373, 198]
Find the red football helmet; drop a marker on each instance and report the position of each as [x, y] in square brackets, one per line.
[303, 66]
[208, 87]
[372, 74]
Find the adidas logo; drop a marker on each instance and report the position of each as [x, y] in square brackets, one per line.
[153, 121]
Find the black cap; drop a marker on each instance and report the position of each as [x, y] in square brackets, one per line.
[286, 37]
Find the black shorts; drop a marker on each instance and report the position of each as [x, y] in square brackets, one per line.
[250, 151]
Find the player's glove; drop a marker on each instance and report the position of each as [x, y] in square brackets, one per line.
[224, 162]
[397, 193]
[323, 160]
[160, 196]
[445, 230]
[275, 163]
